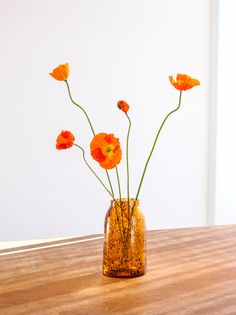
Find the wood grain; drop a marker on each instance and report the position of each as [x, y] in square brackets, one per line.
[190, 271]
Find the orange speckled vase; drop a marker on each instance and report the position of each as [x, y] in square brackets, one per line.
[124, 251]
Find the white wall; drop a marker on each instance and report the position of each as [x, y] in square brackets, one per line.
[117, 50]
[226, 149]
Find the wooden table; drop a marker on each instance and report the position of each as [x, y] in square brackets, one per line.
[190, 271]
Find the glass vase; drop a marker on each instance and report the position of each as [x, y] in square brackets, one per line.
[124, 250]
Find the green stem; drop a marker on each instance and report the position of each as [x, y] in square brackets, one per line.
[121, 208]
[118, 180]
[127, 156]
[111, 194]
[121, 229]
[109, 180]
[93, 170]
[90, 124]
[154, 144]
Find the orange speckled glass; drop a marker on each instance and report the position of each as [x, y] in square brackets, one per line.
[124, 251]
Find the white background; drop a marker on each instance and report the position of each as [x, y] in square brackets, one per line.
[225, 209]
[116, 50]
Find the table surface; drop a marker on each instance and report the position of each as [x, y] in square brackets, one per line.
[190, 271]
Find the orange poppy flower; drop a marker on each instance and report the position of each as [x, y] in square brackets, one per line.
[65, 140]
[61, 72]
[105, 149]
[183, 82]
[122, 105]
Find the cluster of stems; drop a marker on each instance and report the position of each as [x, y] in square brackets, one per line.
[110, 190]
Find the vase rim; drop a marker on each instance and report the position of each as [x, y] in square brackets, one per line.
[131, 200]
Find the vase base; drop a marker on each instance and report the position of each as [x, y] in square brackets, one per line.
[123, 273]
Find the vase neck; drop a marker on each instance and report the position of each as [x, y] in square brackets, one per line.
[125, 201]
